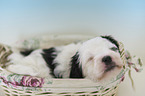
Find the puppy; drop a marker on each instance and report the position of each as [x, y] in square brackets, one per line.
[96, 59]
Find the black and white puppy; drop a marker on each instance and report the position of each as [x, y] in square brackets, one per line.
[96, 59]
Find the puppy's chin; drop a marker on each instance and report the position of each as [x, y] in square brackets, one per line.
[99, 73]
[108, 69]
[108, 75]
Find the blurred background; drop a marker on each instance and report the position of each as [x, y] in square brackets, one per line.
[123, 19]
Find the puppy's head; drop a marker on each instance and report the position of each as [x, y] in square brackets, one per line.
[100, 58]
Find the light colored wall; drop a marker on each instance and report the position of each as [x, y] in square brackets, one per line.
[123, 19]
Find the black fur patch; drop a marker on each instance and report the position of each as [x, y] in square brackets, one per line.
[26, 52]
[112, 40]
[49, 56]
[76, 71]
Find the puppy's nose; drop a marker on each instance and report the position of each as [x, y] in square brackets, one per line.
[107, 59]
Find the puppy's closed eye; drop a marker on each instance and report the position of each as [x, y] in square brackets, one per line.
[91, 58]
[114, 49]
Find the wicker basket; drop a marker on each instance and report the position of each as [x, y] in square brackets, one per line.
[20, 85]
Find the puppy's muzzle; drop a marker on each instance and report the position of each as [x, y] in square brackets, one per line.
[109, 64]
[107, 60]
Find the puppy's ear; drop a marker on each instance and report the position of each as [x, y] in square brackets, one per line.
[112, 40]
[76, 70]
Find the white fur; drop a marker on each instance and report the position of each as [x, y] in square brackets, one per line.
[33, 64]
[64, 59]
[96, 49]
[90, 52]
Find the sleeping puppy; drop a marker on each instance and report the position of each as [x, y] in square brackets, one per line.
[97, 59]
